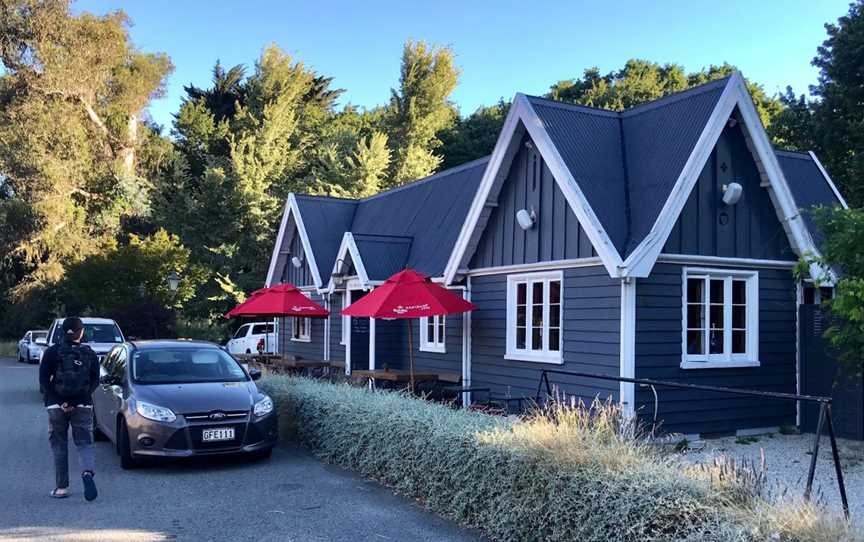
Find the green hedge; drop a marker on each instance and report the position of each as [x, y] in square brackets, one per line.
[566, 475]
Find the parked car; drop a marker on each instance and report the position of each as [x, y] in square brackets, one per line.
[100, 334]
[252, 338]
[173, 398]
[30, 347]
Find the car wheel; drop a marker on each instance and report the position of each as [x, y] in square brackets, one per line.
[98, 435]
[124, 448]
[20, 359]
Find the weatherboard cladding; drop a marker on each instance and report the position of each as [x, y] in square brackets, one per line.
[591, 332]
[299, 276]
[748, 229]
[314, 349]
[529, 185]
[659, 349]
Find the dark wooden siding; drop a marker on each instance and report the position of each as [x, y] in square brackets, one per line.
[314, 349]
[297, 276]
[556, 234]
[449, 361]
[591, 328]
[658, 355]
[337, 349]
[748, 229]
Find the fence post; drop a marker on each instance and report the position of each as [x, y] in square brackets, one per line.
[837, 469]
[815, 452]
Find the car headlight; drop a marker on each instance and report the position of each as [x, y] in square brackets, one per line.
[263, 407]
[153, 412]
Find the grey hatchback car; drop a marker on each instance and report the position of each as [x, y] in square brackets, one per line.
[180, 399]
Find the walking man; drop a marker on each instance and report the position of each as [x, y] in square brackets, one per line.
[68, 375]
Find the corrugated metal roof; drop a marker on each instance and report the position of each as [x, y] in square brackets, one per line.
[658, 139]
[383, 255]
[326, 221]
[589, 142]
[809, 187]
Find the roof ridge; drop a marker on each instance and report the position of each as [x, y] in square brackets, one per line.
[569, 105]
[423, 180]
[334, 199]
[675, 97]
[388, 236]
[790, 153]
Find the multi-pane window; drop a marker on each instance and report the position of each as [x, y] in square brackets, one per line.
[534, 317]
[432, 334]
[720, 316]
[300, 329]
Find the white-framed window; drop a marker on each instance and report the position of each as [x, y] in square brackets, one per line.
[720, 318]
[534, 315]
[432, 334]
[300, 329]
[346, 320]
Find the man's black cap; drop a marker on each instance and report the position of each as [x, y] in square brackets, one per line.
[72, 325]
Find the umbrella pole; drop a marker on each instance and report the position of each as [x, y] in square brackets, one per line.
[410, 352]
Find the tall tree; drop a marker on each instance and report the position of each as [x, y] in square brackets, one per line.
[839, 111]
[72, 97]
[473, 136]
[419, 110]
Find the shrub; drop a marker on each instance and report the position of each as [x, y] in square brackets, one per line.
[562, 474]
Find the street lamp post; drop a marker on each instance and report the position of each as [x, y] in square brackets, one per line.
[173, 283]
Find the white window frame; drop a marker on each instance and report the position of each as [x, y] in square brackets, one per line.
[346, 320]
[301, 334]
[727, 359]
[438, 342]
[543, 355]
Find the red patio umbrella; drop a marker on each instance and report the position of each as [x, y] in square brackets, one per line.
[406, 295]
[280, 300]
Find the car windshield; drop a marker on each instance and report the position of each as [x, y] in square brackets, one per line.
[38, 335]
[185, 365]
[94, 333]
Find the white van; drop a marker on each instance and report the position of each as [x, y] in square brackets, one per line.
[246, 339]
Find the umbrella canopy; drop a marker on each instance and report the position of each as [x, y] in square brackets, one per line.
[279, 300]
[408, 294]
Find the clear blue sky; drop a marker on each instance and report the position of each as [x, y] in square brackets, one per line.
[501, 47]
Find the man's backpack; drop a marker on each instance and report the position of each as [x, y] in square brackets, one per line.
[72, 378]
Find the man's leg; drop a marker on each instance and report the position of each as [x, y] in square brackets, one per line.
[58, 436]
[82, 434]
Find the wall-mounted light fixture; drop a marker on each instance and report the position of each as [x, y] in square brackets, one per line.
[526, 218]
[297, 262]
[338, 276]
[732, 192]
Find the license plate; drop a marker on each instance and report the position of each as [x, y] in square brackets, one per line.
[214, 435]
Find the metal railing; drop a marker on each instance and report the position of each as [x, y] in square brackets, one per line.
[824, 414]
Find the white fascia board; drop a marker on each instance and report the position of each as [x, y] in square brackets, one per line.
[522, 111]
[642, 259]
[831, 184]
[304, 238]
[280, 237]
[349, 246]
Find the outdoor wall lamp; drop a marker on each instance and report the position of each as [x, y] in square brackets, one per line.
[173, 281]
[732, 192]
[526, 218]
[338, 276]
[297, 262]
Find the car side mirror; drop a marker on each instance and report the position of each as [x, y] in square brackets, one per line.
[109, 380]
[41, 341]
[255, 374]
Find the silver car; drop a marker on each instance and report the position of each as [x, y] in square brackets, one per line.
[31, 346]
[180, 399]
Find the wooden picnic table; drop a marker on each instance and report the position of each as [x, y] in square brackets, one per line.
[391, 375]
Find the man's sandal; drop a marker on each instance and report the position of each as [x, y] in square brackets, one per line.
[58, 493]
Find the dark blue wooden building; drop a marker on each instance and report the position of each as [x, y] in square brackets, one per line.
[655, 242]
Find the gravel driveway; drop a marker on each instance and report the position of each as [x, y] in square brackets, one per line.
[787, 459]
[291, 497]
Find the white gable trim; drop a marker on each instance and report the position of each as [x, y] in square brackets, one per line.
[642, 259]
[349, 246]
[522, 112]
[292, 209]
[828, 180]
